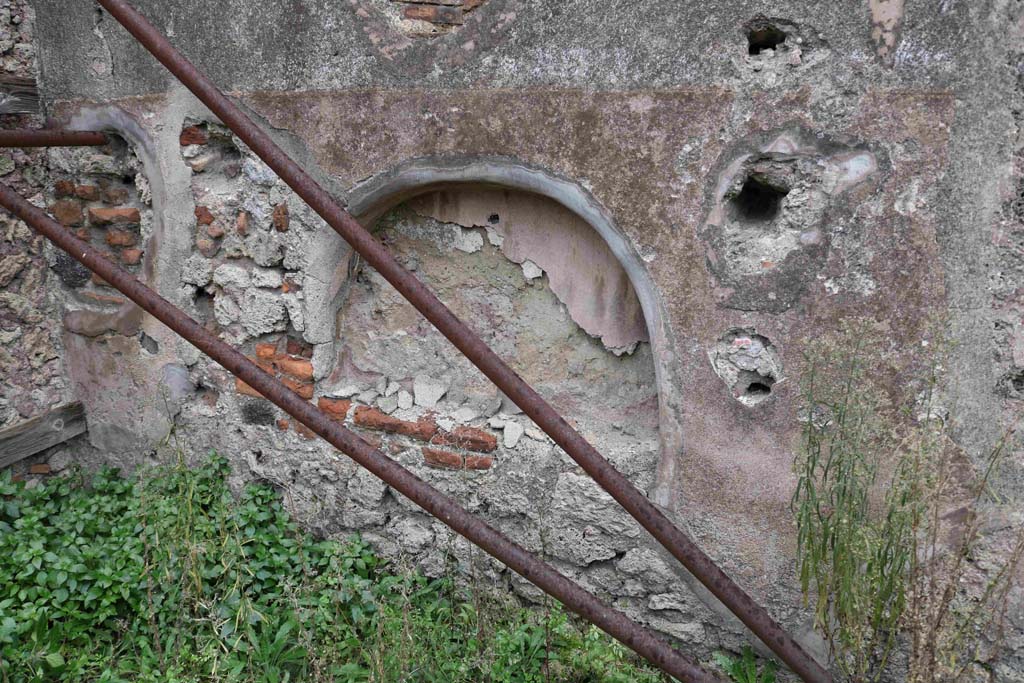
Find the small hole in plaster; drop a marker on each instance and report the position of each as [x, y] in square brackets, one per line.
[493, 219]
[149, 344]
[764, 37]
[758, 201]
[748, 363]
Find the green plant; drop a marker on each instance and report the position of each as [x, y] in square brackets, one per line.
[745, 669]
[170, 578]
[877, 560]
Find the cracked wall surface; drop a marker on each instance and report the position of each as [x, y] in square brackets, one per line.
[744, 179]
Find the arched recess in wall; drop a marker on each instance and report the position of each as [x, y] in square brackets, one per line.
[376, 196]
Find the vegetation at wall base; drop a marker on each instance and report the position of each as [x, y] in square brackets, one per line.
[170, 579]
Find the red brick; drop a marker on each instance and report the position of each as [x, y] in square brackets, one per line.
[304, 431]
[115, 195]
[215, 231]
[299, 348]
[242, 223]
[193, 135]
[41, 468]
[470, 5]
[114, 216]
[281, 218]
[203, 215]
[303, 389]
[63, 188]
[121, 238]
[371, 418]
[299, 368]
[283, 425]
[131, 257]
[67, 212]
[479, 462]
[266, 350]
[243, 388]
[470, 438]
[337, 408]
[446, 459]
[97, 280]
[435, 14]
[103, 298]
[207, 247]
[89, 193]
[290, 285]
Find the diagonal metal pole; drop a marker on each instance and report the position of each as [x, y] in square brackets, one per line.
[615, 623]
[419, 295]
[51, 137]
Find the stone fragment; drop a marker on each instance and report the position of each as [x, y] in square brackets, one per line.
[368, 396]
[427, 391]
[531, 271]
[114, 216]
[392, 388]
[513, 432]
[231, 276]
[464, 415]
[207, 247]
[405, 400]
[60, 461]
[469, 241]
[267, 278]
[388, 404]
[197, 271]
[346, 391]
[262, 313]
[496, 422]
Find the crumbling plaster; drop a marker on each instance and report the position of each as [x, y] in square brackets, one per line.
[637, 111]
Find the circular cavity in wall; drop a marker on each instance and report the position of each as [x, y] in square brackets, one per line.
[748, 363]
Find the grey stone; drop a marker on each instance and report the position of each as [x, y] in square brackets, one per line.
[513, 432]
[405, 400]
[427, 391]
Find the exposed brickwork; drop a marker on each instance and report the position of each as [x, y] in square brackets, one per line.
[371, 418]
[294, 371]
[103, 216]
[469, 438]
[337, 408]
[436, 457]
[446, 459]
[435, 14]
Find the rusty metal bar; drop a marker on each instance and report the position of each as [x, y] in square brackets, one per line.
[615, 623]
[419, 295]
[52, 137]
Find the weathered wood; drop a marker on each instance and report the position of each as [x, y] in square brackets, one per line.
[39, 433]
[18, 95]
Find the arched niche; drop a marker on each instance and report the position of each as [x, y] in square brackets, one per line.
[374, 197]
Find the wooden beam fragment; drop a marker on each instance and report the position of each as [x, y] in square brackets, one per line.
[39, 433]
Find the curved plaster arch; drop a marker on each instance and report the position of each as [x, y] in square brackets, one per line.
[372, 198]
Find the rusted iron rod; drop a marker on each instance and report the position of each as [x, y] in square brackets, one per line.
[541, 574]
[419, 295]
[678, 543]
[52, 137]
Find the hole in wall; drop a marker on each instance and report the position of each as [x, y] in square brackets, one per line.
[150, 345]
[494, 219]
[759, 200]
[764, 37]
[748, 363]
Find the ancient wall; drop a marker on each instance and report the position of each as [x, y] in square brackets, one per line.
[650, 209]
